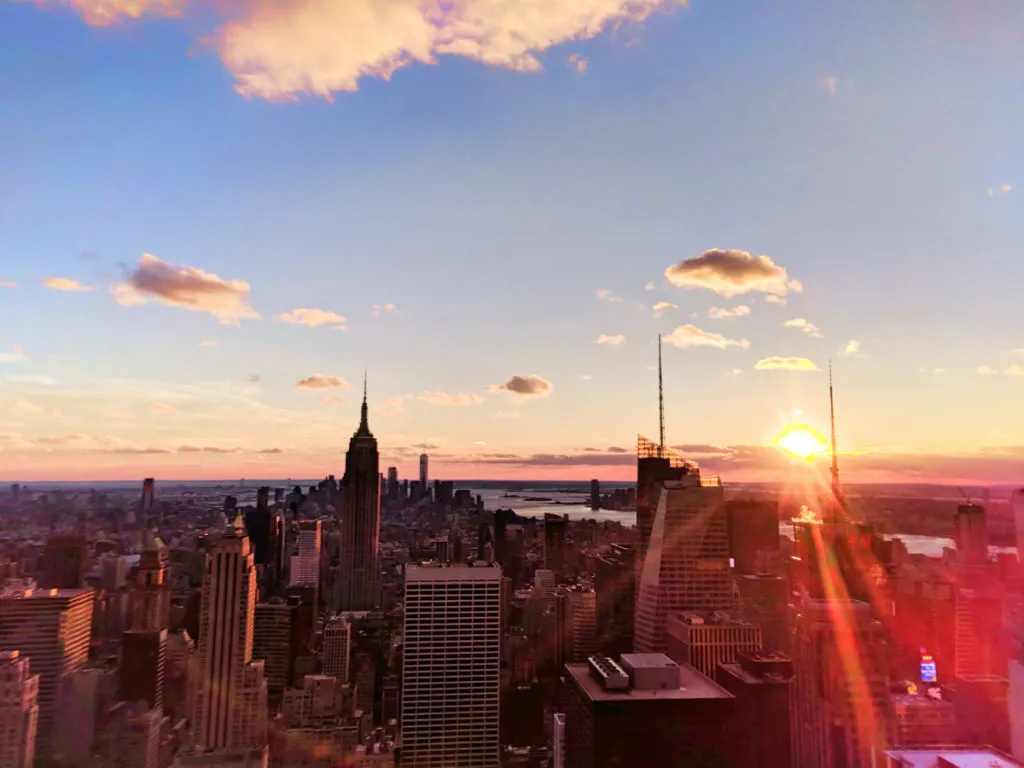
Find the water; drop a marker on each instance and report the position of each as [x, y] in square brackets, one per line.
[931, 546]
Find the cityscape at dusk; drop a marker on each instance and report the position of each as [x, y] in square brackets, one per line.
[215, 217]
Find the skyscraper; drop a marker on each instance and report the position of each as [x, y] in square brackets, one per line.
[686, 566]
[64, 563]
[19, 711]
[450, 678]
[554, 542]
[272, 641]
[51, 627]
[305, 566]
[423, 471]
[231, 692]
[337, 648]
[360, 526]
[151, 593]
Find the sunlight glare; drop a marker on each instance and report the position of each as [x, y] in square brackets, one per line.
[802, 441]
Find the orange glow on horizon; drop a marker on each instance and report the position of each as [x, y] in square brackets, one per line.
[802, 442]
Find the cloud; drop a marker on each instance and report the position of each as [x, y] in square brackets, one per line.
[731, 273]
[316, 381]
[773, 299]
[1002, 189]
[186, 287]
[735, 372]
[578, 62]
[605, 295]
[207, 449]
[443, 398]
[62, 440]
[612, 341]
[335, 401]
[254, 379]
[66, 284]
[940, 371]
[134, 451]
[8, 284]
[385, 309]
[785, 364]
[208, 343]
[985, 370]
[269, 452]
[525, 386]
[718, 313]
[161, 408]
[831, 84]
[1014, 370]
[664, 306]
[312, 317]
[649, 286]
[585, 376]
[102, 13]
[16, 354]
[27, 406]
[686, 336]
[852, 347]
[804, 325]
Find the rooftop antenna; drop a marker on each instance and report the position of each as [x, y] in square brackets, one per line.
[661, 405]
[837, 490]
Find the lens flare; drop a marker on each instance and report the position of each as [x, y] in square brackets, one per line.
[802, 441]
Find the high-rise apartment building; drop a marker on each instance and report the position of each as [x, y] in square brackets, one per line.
[337, 647]
[19, 711]
[305, 565]
[451, 666]
[705, 640]
[231, 691]
[52, 628]
[686, 565]
[359, 579]
[840, 707]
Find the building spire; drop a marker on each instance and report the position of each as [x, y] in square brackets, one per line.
[364, 425]
[661, 405]
[837, 490]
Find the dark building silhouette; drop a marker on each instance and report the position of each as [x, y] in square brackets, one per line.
[758, 729]
[502, 519]
[971, 534]
[595, 494]
[259, 527]
[753, 526]
[554, 542]
[616, 594]
[143, 660]
[146, 503]
[360, 524]
[63, 563]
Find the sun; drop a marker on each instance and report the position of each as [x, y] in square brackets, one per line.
[802, 441]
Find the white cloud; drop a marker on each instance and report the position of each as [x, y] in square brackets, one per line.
[605, 295]
[985, 370]
[186, 287]
[804, 325]
[443, 398]
[586, 376]
[578, 62]
[1002, 189]
[773, 299]
[613, 341]
[1014, 370]
[16, 353]
[735, 372]
[719, 313]
[317, 381]
[66, 284]
[649, 287]
[314, 318]
[208, 343]
[686, 336]
[831, 84]
[8, 284]
[385, 309]
[731, 273]
[785, 364]
[852, 348]
[663, 306]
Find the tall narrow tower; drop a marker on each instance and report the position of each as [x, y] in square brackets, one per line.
[360, 524]
[231, 691]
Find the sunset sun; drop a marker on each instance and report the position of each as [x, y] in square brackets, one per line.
[802, 441]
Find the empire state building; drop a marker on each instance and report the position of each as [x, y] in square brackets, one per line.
[359, 580]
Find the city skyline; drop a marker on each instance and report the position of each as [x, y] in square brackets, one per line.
[495, 214]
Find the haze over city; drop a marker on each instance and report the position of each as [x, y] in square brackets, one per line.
[216, 217]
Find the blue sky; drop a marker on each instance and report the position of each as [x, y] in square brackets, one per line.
[870, 150]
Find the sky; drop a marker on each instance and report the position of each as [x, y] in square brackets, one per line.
[216, 215]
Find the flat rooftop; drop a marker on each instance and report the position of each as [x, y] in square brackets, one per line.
[437, 572]
[961, 757]
[692, 685]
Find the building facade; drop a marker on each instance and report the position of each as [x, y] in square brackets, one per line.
[19, 711]
[359, 580]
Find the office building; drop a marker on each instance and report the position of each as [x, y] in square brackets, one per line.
[643, 710]
[147, 500]
[84, 698]
[840, 707]
[753, 527]
[558, 740]
[360, 525]
[322, 726]
[979, 652]
[19, 711]
[393, 486]
[451, 666]
[686, 565]
[544, 588]
[575, 625]
[151, 592]
[305, 565]
[758, 731]
[259, 527]
[655, 464]
[705, 640]
[272, 641]
[554, 542]
[337, 647]
[63, 563]
[143, 661]
[595, 495]
[971, 534]
[616, 599]
[944, 757]
[923, 719]
[136, 736]
[423, 472]
[764, 602]
[50, 627]
[231, 692]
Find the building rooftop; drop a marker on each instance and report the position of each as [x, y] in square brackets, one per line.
[951, 757]
[709, 619]
[457, 572]
[692, 685]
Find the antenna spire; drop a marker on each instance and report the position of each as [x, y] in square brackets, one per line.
[837, 490]
[364, 425]
[661, 405]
